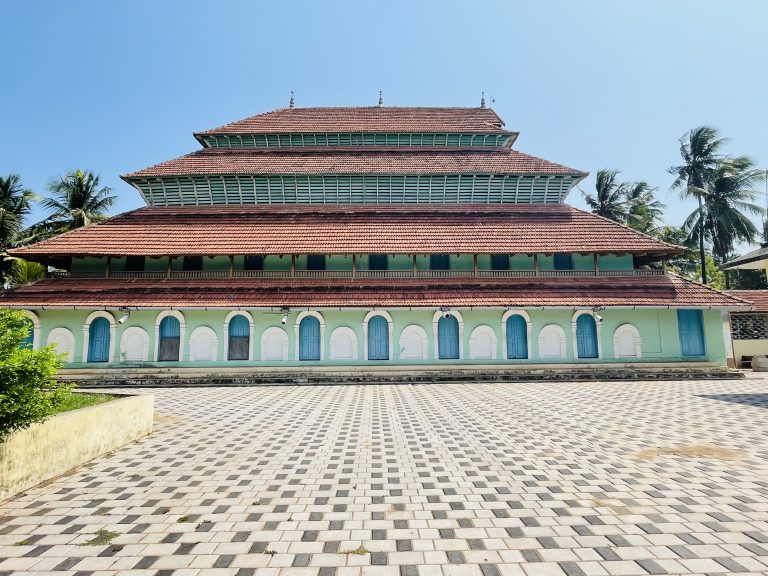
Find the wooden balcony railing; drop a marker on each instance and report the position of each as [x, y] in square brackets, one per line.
[358, 274]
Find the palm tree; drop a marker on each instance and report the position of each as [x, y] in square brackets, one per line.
[643, 210]
[609, 200]
[700, 151]
[77, 201]
[685, 264]
[15, 204]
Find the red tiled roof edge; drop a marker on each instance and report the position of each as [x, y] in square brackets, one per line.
[237, 126]
[758, 298]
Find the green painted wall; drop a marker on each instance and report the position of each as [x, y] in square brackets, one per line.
[344, 262]
[657, 327]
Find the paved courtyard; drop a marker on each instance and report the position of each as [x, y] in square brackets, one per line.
[422, 480]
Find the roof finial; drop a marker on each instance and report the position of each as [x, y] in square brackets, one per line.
[482, 99]
[291, 103]
[381, 98]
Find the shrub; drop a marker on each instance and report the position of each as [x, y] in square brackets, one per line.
[28, 389]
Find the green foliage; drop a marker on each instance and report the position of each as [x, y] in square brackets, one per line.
[77, 200]
[746, 279]
[715, 276]
[15, 204]
[684, 265]
[24, 272]
[28, 389]
[631, 203]
[73, 401]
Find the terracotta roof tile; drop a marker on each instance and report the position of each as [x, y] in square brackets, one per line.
[759, 298]
[391, 161]
[331, 229]
[641, 291]
[367, 119]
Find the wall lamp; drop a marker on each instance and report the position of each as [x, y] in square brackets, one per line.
[446, 311]
[125, 316]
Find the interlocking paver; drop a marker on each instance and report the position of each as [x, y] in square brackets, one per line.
[423, 480]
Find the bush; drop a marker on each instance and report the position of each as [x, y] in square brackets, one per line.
[28, 389]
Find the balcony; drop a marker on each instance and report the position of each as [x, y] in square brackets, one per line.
[357, 274]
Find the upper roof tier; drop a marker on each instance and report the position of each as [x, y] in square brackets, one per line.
[375, 155]
[367, 119]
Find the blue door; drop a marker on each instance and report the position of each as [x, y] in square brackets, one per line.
[499, 261]
[448, 338]
[309, 339]
[378, 338]
[29, 341]
[439, 262]
[586, 336]
[98, 340]
[239, 338]
[170, 340]
[517, 337]
[691, 328]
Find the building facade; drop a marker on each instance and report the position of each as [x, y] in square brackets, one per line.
[364, 237]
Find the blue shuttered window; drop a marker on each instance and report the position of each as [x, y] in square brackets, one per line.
[586, 337]
[691, 327]
[309, 339]
[439, 262]
[170, 340]
[191, 263]
[239, 338]
[448, 338]
[563, 262]
[499, 261]
[378, 338]
[517, 337]
[98, 340]
[377, 262]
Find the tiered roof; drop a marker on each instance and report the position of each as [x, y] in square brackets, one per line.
[416, 229]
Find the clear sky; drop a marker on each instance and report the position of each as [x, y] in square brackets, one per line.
[115, 86]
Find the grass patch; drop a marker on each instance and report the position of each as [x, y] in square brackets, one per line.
[360, 551]
[75, 400]
[102, 537]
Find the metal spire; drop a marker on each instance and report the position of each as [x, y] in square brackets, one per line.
[291, 103]
[482, 99]
[381, 98]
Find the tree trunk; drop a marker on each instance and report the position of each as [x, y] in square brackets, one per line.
[702, 255]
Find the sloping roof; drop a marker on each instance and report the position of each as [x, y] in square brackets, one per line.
[640, 291]
[754, 260]
[332, 229]
[367, 119]
[352, 160]
[758, 298]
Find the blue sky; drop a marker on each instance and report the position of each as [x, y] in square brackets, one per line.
[115, 86]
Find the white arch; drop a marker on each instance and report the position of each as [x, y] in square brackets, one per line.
[320, 318]
[598, 328]
[343, 343]
[64, 341]
[482, 343]
[183, 328]
[627, 342]
[414, 343]
[112, 332]
[367, 319]
[528, 326]
[134, 344]
[436, 318]
[203, 344]
[552, 342]
[35, 328]
[227, 320]
[274, 344]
